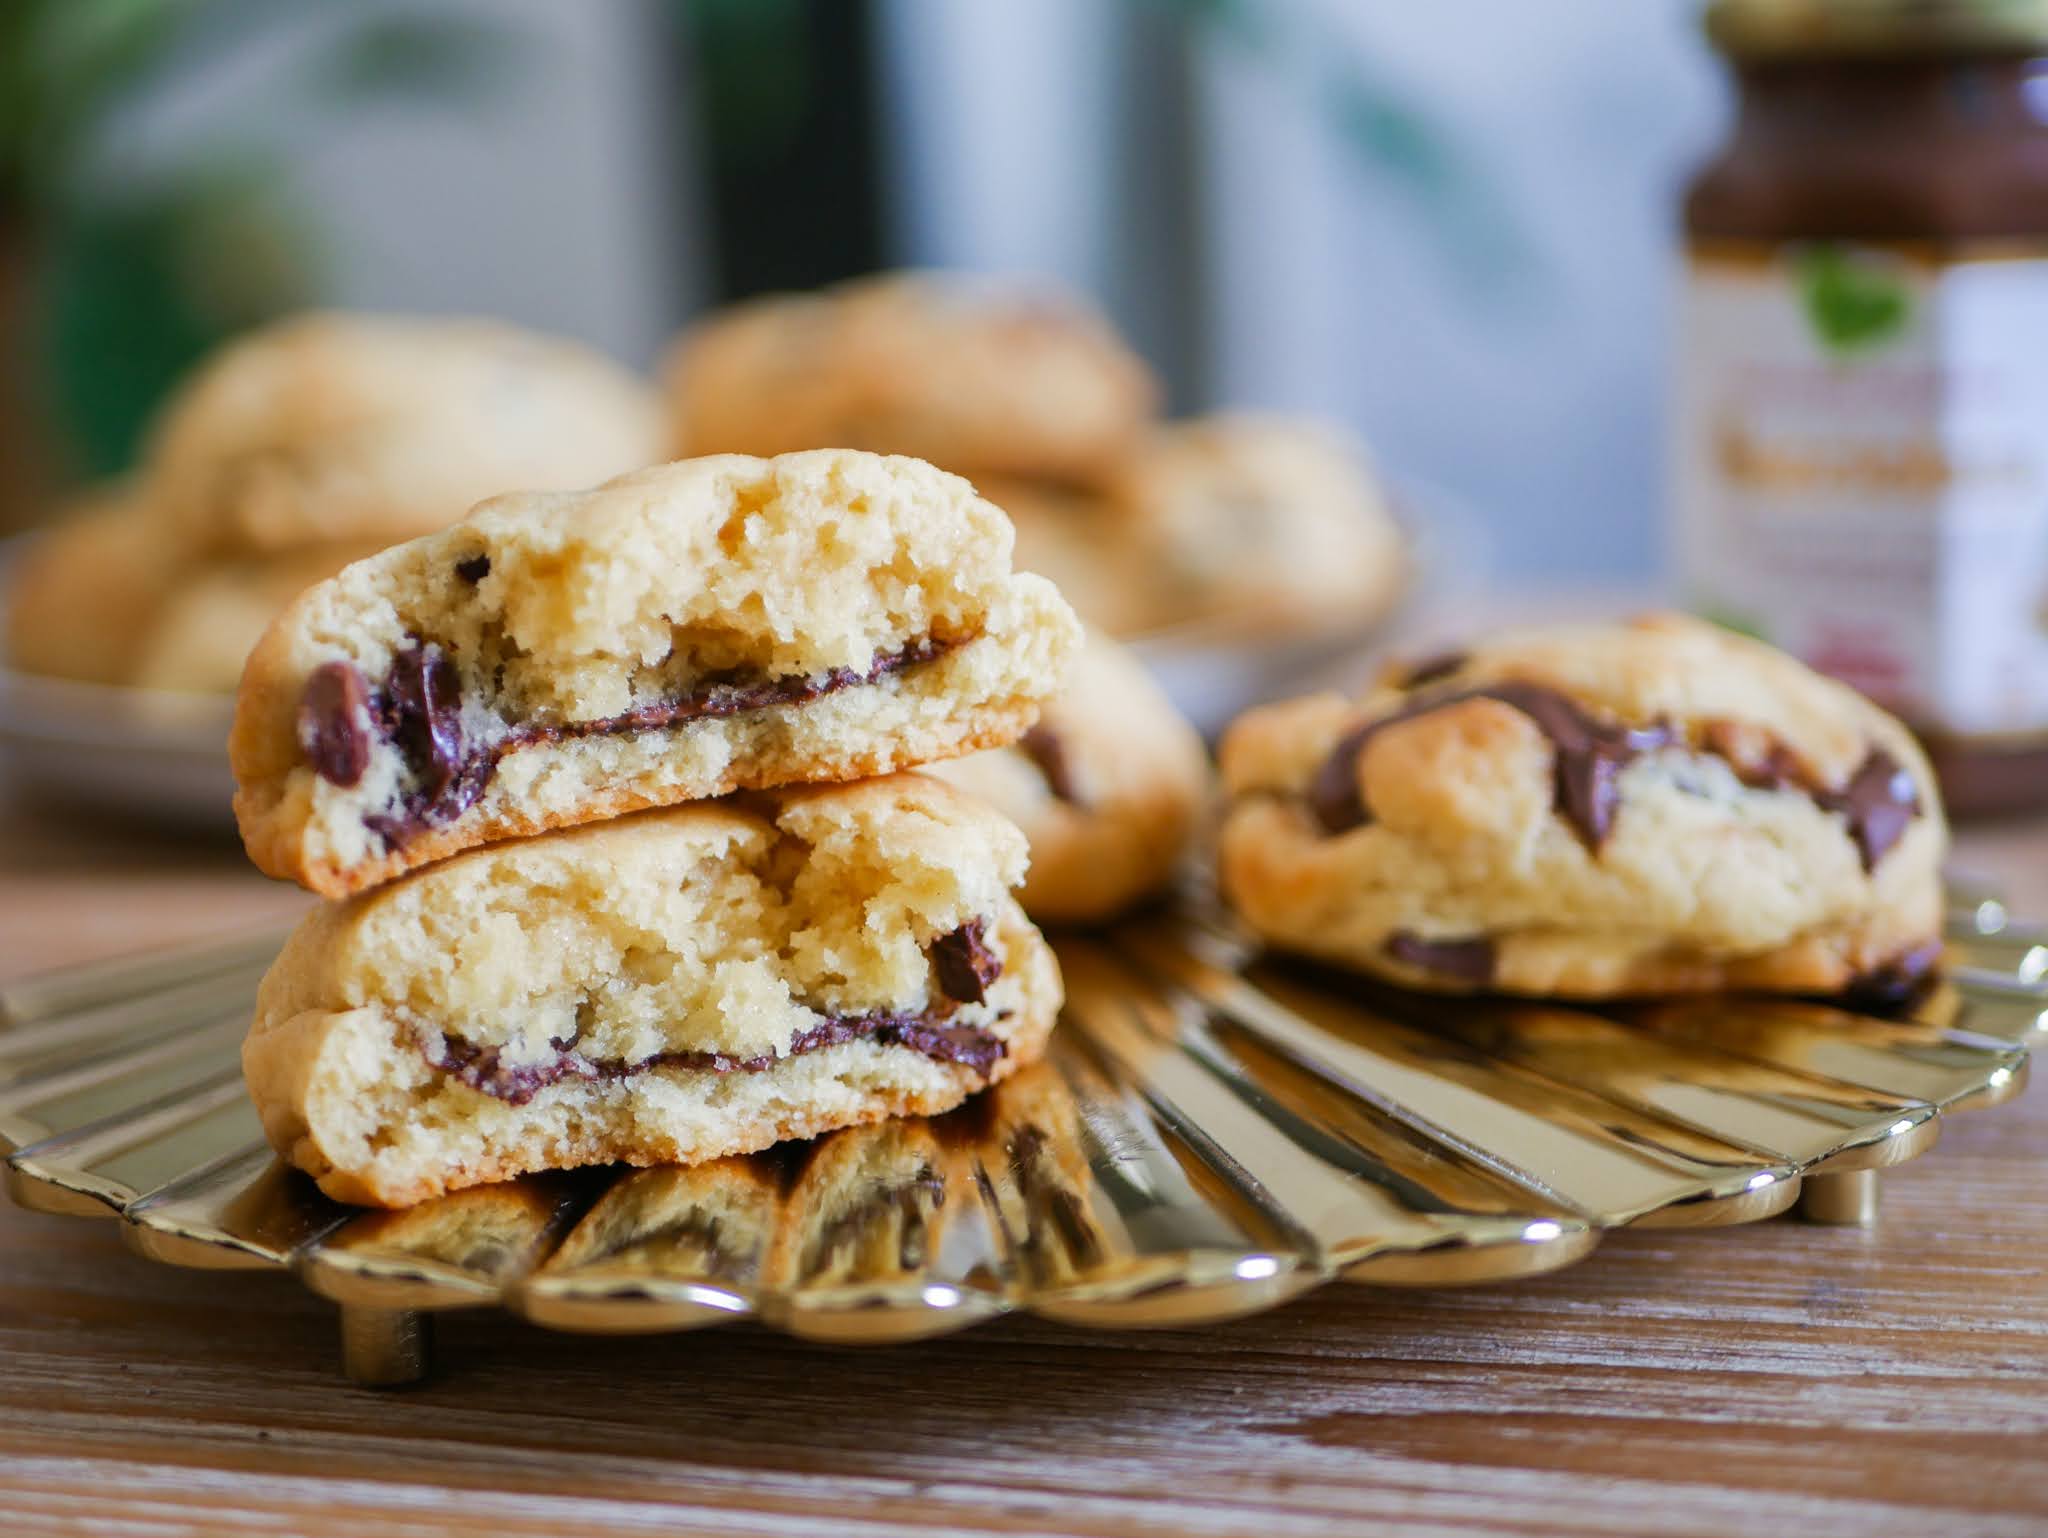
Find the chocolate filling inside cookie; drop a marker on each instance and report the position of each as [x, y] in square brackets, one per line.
[1877, 802]
[418, 708]
[962, 965]
[483, 1068]
[1469, 961]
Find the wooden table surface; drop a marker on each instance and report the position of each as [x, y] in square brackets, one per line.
[1779, 1378]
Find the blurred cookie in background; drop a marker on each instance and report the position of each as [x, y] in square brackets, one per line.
[383, 428]
[1109, 788]
[83, 593]
[975, 375]
[1238, 525]
[1262, 522]
[294, 452]
[204, 631]
[1083, 543]
[1249, 526]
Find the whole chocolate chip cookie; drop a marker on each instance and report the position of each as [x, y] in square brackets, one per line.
[713, 979]
[1591, 811]
[1109, 787]
[678, 633]
[332, 427]
[975, 375]
[1258, 522]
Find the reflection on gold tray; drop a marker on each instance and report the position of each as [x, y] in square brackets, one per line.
[1211, 1136]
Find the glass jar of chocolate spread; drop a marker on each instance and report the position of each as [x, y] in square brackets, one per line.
[1862, 405]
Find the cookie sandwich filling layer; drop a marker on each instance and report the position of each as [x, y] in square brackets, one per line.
[719, 939]
[451, 737]
[963, 969]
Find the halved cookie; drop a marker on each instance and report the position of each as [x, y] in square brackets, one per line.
[676, 634]
[668, 988]
[1592, 811]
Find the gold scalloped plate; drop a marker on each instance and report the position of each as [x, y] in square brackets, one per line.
[1211, 1135]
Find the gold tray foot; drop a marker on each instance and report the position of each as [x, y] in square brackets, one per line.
[384, 1347]
[1848, 1198]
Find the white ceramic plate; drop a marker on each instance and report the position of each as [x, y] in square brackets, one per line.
[159, 756]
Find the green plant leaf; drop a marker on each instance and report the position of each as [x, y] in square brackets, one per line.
[1852, 303]
[135, 291]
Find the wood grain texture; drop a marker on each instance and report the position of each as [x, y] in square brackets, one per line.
[1779, 1378]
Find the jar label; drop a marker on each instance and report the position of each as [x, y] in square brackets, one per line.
[1862, 469]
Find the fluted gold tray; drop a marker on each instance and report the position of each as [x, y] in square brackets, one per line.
[1211, 1136]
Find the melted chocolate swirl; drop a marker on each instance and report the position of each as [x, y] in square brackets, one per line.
[1470, 961]
[418, 708]
[1589, 756]
[1877, 802]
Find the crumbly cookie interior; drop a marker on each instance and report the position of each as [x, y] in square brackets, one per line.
[665, 988]
[733, 941]
[578, 607]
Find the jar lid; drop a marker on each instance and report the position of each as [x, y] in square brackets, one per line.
[1750, 28]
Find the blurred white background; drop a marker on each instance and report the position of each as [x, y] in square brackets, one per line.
[1454, 233]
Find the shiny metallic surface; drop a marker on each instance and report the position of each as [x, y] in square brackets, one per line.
[1214, 1133]
[1848, 1200]
[384, 1348]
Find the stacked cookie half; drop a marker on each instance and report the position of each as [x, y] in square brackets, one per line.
[603, 789]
